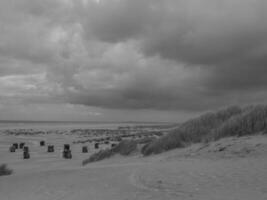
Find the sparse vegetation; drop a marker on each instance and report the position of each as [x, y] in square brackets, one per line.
[233, 121]
[100, 155]
[125, 147]
[4, 170]
[145, 140]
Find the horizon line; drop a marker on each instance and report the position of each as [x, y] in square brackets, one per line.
[76, 121]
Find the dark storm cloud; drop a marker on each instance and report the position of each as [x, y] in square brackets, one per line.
[206, 32]
[226, 39]
[147, 54]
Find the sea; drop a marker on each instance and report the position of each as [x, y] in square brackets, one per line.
[60, 125]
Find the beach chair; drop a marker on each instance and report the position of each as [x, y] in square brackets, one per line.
[42, 143]
[66, 147]
[96, 145]
[12, 148]
[21, 145]
[16, 145]
[67, 154]
[25, 149]
[50, 148]
[85, 149]
[26, 155]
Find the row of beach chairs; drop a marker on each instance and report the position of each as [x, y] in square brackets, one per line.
[50, 148]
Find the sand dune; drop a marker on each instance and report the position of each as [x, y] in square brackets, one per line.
[231, 168]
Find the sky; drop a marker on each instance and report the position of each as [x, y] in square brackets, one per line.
[130, 60]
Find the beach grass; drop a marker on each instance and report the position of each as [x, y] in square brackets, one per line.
[232, 121]
[4, 170]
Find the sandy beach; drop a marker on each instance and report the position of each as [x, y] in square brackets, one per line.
[229, 169]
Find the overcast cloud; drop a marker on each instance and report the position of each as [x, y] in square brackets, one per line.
[130, 59]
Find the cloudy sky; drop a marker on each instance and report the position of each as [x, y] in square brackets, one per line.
[113, 60]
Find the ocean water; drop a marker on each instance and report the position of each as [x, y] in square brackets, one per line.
[40, 125]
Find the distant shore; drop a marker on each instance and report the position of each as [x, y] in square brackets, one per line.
[52, 125]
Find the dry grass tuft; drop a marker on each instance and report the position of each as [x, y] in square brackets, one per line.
[4, 170]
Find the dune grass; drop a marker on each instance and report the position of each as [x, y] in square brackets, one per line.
[252, 120]
[125, 147]
[233, 121]
[100, 155]
[4, 170]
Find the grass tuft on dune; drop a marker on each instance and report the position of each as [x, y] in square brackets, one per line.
[125, 148]
[4, 170]
[232, 121]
